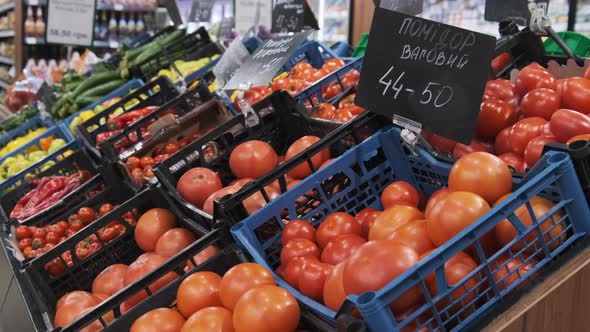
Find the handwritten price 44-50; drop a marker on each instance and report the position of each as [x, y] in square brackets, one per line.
[437, 94]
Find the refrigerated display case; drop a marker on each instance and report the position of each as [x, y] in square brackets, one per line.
[333, 19]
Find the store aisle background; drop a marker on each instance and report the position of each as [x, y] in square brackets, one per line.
[13, 314]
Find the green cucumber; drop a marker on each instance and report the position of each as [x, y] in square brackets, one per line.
[101, 90]
[158, 45]
[95, 80]
[83, 102]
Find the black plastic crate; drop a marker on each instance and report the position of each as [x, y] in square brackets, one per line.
[202, 118]
[154, 93]
[78, 161]
[580, 153]
[123, 249]
[281, 122]
[188, 44]
[134, 134]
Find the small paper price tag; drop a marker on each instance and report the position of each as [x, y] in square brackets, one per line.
[232, 59]
[263, 65]
[431, 73]
[70, 22]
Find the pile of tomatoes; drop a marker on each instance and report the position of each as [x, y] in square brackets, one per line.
[301, 76]
[141, 167]
[249, 161]
[330, 262]
[159, 236]
[36, 240]
[244, 299]
[517, 119]
[345, 112]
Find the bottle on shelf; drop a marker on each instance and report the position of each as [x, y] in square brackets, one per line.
[122, 27]
[112, 28]
[30, 23]
[97, 26]
[139, 26]
[103, 30]
[40, 23]
[131, 33]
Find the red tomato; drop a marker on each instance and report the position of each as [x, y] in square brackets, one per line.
[266, 308]
[524, 131]
[210, 319]
[340, 248]
[456, 269]
[143, 265]
[414, 235]
[391, 219]
[132, 163]
[197, 184]
[501, 61]
[530, 79]
[171, 148]
[503, 90]
[334, 294]
[494, 116]
[298, 247]
[483, 174]
[52, 237]
[174, 241]
[576, 95]
[331, 91]
[368, 222]
[541, 103]
[75, 225]
[576, 138]
[294, 268]
[365, 270]
[198, 291]
[333, 64]
[23, 232]
[312, 279]
[105, 208]
[337, 223]
[506, 232]
[511, 270]
[566, 124]
[70, 307]
[87, 215]
[201, 257]
[294, 86]
[299, 69]
[434, 199]
[461, 150]
[400, 193]
[146, 162]
[343, 115]
[151, 226]
[110, 280]
[502, 144]
[252, 159]
[208, 206]
[298, 229]
[513, 160]
[257, 201]
[452, 215]
[239, 280]
[159, 320]
[303, 170]
[27, 242]
[442, 144]
[39, 233]
[318, 75]
[324, 111]
[534, 149]
[137, 175]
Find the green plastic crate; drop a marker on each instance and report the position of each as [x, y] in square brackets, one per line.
[360, 49]
[578, 42]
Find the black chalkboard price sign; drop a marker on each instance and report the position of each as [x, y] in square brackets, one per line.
[517, 10]
[263, 65]
[410, 7]
[425, 71]
[292, 16]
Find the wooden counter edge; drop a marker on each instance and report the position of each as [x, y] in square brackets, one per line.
[540, 292]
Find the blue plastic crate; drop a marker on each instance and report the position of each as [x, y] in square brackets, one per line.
[363, 172]
[311, 51]
[59, 131]
[119, 92]
[342, 49]
[38, 167]
[33, 123]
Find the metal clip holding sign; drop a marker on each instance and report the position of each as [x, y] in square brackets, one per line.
[250, 116]
[540, 24]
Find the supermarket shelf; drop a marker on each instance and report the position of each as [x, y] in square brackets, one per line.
[34, 41]
[35, 2]
[7, 34]
[4, 85]
[6, 60]
[106, 44]
[121, 8]
[7, 7]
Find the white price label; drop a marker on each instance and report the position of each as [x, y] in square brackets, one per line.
[70, 22]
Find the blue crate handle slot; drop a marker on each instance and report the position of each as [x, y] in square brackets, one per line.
[119, 92]
[553, 175]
